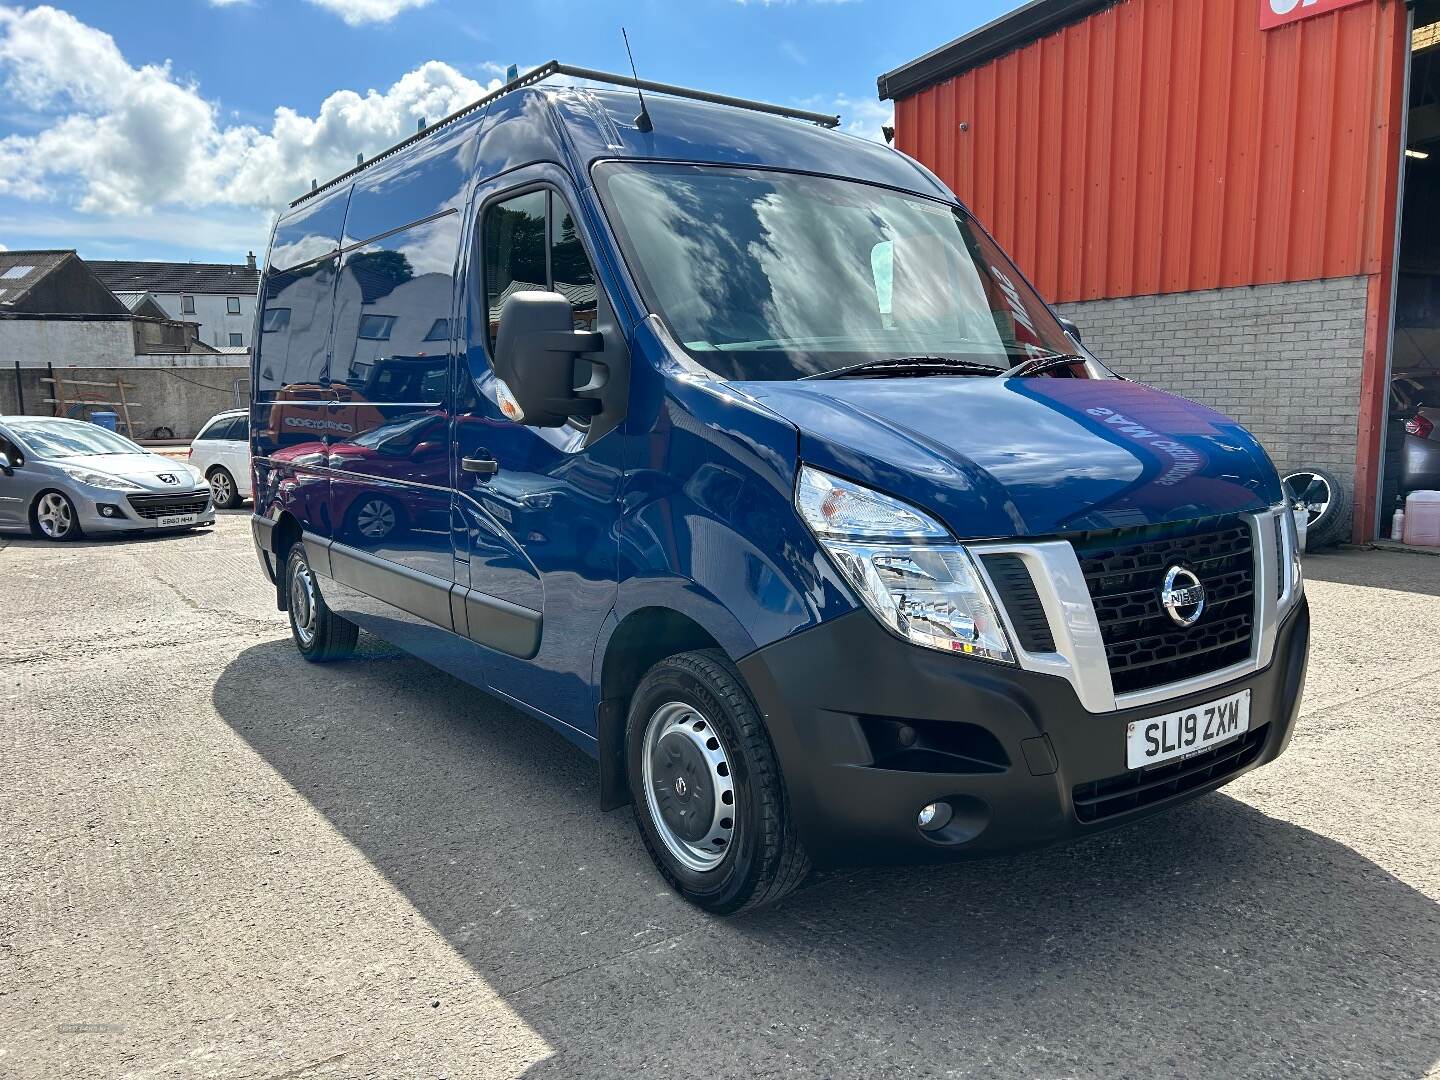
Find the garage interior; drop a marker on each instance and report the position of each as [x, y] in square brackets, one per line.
[1412, 459]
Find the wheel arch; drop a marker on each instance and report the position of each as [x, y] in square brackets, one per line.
[637, 643]
[285, 536]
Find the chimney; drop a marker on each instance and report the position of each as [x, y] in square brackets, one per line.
[250, 260]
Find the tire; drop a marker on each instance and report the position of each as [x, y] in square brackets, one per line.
[53, 517]
[1327, 503]
[692, 719]
[223, 490]
[321, 636]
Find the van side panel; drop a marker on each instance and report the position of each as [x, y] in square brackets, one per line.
[390, 464]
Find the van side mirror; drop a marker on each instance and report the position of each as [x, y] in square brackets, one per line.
[535, 350]
[1070, 328]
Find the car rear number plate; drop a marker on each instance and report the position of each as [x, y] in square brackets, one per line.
[176, 519]
[1181, 734]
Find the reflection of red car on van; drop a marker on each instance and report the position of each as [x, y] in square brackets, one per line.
[412, 448]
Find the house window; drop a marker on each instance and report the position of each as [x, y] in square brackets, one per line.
[275, 319]
[237, 340]
[232, 305]
[376, 327]
[439, 330]
[187, 305]
[17, 272]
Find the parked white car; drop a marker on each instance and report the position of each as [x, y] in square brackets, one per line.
[222, 454]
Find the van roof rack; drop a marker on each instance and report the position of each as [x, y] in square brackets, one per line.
[555, 67]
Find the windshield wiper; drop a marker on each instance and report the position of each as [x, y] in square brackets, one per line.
[900, 366]
[1034, 365]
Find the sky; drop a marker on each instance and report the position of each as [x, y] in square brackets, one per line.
[175, 129]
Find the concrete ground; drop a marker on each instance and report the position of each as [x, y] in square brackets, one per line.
[219, 861]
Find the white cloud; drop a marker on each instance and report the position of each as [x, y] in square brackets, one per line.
[858, 116]
[230, 3]
[359, 12]
[127, 141]
[221, 233]
[864, 116]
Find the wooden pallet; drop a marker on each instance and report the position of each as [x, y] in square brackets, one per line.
[68, 397]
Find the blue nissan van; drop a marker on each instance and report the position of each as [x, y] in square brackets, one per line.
[733, 448]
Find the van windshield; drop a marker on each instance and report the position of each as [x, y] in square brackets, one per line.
[771, 275]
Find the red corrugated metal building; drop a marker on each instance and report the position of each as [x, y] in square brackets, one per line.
[1210, 188]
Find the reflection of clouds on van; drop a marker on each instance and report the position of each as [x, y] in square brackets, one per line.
[303, 249]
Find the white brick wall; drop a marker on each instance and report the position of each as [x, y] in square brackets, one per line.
[1284, 360]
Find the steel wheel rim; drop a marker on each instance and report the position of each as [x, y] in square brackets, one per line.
[1311, 493]
[54, 516]
[220, 487]
[689, 786]
[375, 519]
[304, 600]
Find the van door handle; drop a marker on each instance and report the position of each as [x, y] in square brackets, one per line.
[485, 466]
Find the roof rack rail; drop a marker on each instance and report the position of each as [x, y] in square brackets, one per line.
[555, 67]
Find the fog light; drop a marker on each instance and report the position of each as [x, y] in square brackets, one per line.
[934, 816]
[107, 510]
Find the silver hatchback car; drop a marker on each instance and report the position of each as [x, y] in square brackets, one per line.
[64, 478]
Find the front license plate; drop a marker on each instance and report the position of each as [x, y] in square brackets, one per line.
[176, 519]
[1180, 734]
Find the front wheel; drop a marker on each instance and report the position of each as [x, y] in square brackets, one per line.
[320, 634]
[708, 794]
[53, 517]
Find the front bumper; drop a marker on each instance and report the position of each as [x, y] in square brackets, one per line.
[124, 517]
[1007, 748]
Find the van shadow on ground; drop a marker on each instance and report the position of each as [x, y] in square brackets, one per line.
[1213, 939]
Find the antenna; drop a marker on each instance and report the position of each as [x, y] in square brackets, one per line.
[642, 122]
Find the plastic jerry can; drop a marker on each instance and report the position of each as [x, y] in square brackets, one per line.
[1422, 519]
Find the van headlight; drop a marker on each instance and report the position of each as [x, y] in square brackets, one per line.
[905, 565]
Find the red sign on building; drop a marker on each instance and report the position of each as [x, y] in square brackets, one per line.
[1275, 13]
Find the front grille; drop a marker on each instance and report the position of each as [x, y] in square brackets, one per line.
[154, 506]
[1131, 790]
[1016, 593]
[1125, 570]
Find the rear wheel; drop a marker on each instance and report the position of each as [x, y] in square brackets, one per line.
[320, 635]
[222, 488]
[708, 795]
[53, 517]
